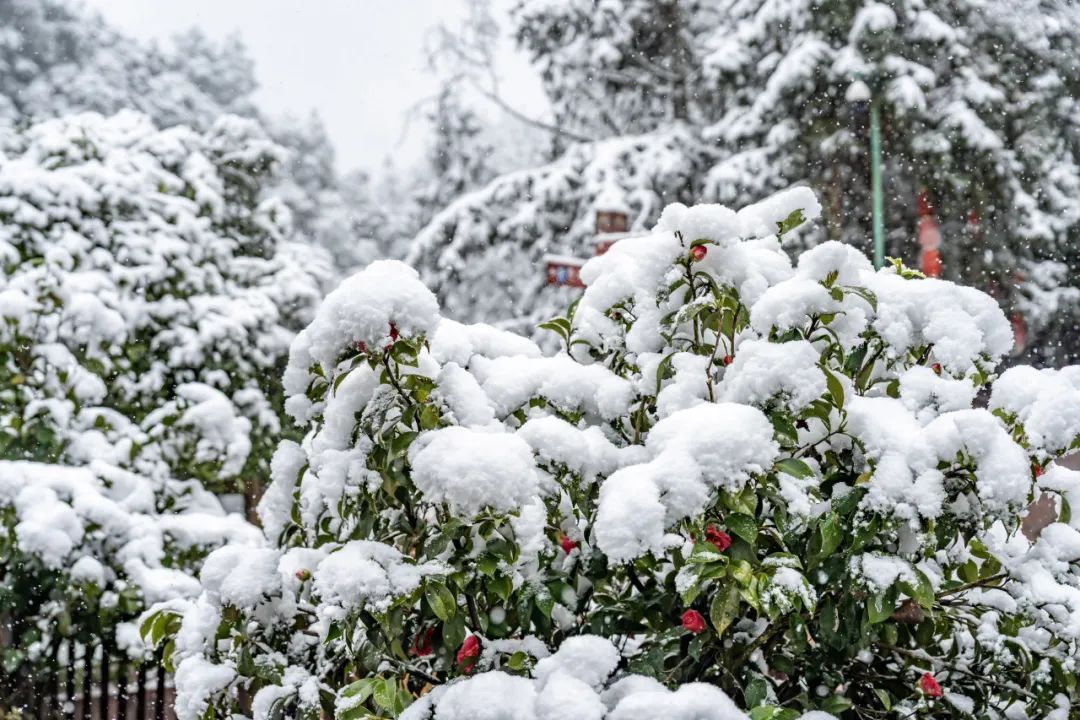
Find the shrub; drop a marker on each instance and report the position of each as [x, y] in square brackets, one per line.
[741, 484]
[147, 300]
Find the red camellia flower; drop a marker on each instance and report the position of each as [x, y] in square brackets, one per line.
[393, 332]
[929, 686]
[719, 538]
[361, 346]
[728, 360]
[699, 252]
[468, 653]
[936, 367]
[421, 644]
[567, 544]
[1037, 469]
[693, 622]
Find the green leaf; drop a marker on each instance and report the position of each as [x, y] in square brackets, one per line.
[756, 692]
[454, 632]
[502, 585]
[831, 534]
[879, 608]
[884, 697]
[517, 661]
[662, 369]
[545, 602]
[442, 601]
[836, 704]
[385, 693]
[724, 608]
[836, 389]
[743, 526]
[795, 467]
[792, 221]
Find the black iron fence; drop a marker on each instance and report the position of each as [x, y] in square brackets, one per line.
[77, 681]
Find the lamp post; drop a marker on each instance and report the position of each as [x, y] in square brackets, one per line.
[858, 93]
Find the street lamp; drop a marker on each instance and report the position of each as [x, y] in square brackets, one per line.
[858, 94]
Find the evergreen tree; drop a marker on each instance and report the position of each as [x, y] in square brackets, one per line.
[978, 110]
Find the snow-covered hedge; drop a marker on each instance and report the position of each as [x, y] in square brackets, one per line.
[148, 297]
[743, 487]
[84, 550]
[147, 301]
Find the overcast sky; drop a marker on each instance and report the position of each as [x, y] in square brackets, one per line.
[360, 63]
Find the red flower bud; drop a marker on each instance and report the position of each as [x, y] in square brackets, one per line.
[929, 686]
[361, 346]
[393, 332]
[303, 574]
[936, 367]
[693, 622]
[421, 644]
[728, 360]
[699, 252]
[567, 544]
[1037, 469]
[468, 653]
[719, 538]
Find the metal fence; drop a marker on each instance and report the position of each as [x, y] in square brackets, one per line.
[78, 681]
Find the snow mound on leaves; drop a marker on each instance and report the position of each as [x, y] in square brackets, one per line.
[578, 681]
[694, 452]
[470, 470]
[361, 310]
[1046, 402]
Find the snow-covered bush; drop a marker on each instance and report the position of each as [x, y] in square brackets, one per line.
[84, 550]
[147, 301]
[148, 296]
[742, 484]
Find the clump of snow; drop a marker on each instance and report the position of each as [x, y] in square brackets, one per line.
[694, 452]
[763, 372]
[195, 681]
[364, 573]
[470, 470]
[362, 309]
[1046, 403]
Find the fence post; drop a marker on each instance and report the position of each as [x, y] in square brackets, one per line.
[87, 682]
[103, 697]
[140, 693]
[159, 696]
[69, 682]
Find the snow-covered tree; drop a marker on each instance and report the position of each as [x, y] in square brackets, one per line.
[57, 59]
[148, 299]
[978, 108]
[149, 296]
[458, 156]
[616, 67]
[743, 487]
[483, 254]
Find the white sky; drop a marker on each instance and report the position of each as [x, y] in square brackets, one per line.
[360, 63]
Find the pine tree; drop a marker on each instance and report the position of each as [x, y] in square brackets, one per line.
[978, 110]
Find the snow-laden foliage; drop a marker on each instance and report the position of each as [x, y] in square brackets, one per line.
[84, 550]
[147, 302]
[149, 296]
[496, 237]
[978, 106]
[58, 59]
[742, 484]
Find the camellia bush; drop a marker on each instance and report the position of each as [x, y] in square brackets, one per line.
[148, 298]
[744, 487]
